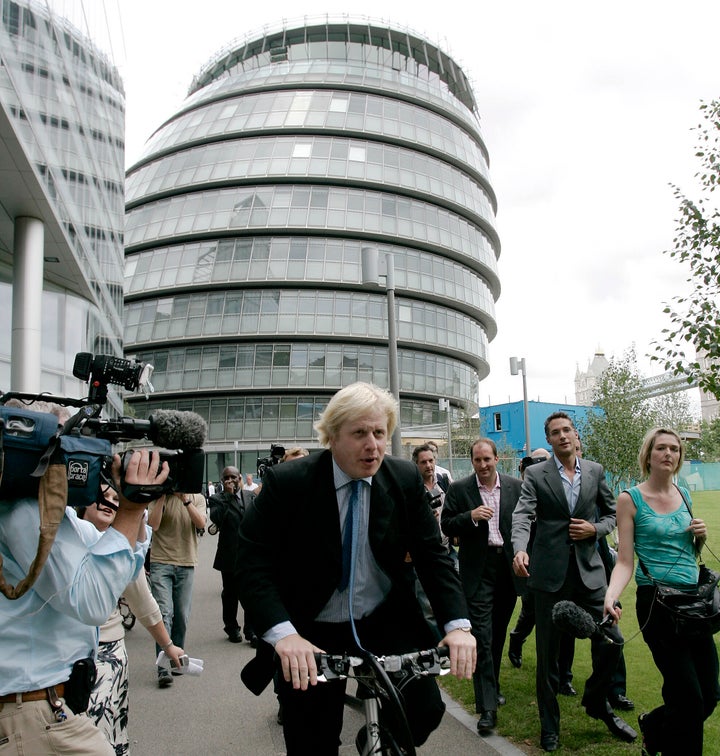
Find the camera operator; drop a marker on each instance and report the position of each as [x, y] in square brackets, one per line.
[48, 636]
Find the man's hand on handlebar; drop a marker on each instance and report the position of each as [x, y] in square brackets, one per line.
[297, 659]
[463, 653]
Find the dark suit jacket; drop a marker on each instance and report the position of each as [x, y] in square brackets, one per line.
[543, 498]
[464, 496]
[290, 548]
[227, 512]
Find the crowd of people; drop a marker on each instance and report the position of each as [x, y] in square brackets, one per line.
[403, 557]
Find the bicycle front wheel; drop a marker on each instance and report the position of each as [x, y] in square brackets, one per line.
[387, 745]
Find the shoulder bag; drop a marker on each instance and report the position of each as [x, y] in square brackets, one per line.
[692, 612]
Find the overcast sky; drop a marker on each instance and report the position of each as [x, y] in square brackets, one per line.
[587, 111]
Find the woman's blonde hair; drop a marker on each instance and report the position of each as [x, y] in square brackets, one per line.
[294, 453]
[649, 443]
[351, 402]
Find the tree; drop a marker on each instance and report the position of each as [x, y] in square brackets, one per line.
[613, 436]
[709, 444]
[672, 411]
[695, 317]
[465, 430]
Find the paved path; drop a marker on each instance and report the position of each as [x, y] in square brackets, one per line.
[215, 714]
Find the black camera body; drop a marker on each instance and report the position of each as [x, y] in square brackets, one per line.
[187, 470]
[103, 369]
[433, 500]
[30, 439]
[277, 452]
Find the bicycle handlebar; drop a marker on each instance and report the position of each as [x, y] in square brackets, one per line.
[431, 661]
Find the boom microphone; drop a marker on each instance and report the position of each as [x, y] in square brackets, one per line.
[177, 430]
[169, 429]
[574, 620]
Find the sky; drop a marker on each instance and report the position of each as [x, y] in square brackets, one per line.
[588, 112]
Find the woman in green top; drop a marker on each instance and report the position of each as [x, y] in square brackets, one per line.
[654, 520]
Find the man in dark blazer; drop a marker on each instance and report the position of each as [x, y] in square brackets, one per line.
[293, 584]
[478, 510]
[227, 509]
[572, 505]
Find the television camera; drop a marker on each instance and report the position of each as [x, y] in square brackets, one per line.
[277, 452]
[31, 439]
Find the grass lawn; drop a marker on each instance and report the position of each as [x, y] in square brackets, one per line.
[518, 720]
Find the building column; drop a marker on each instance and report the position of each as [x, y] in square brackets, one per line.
[28, 251]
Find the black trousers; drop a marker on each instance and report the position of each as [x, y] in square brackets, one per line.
[689, 668]
[525, 625]
[547, 638]
[231, 604]
[313, 719]
[490, 607]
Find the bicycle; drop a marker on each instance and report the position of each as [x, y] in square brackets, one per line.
[389, 734]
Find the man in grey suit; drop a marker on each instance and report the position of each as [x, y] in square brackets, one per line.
[478, 510]
[570, 501]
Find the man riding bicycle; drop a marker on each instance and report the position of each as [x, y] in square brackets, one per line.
[328, 556]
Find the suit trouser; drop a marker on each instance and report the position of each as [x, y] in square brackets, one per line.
[547, 638]
[312, 719]
[526, 623]
[689, 668]
[230, 605]
[490, 608]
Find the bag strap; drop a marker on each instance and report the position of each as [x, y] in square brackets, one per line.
[52, 498]
[697, 548]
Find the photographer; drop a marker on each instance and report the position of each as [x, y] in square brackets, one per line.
[48, 636]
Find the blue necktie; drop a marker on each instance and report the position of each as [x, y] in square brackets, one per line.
[348, 541]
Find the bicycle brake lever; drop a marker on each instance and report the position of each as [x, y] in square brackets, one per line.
[335, 666]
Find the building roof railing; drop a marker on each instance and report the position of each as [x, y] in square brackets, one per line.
[416, 46]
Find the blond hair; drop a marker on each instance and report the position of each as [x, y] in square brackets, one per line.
[352, 402]
[294, 453]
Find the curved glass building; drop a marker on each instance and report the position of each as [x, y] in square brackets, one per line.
[62, 152]
[247, 213]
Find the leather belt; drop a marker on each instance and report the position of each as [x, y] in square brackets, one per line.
[495, 549]
[42, 694]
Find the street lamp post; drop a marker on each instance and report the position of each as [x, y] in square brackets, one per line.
[445, 405]
[517, 365]
[372, 264]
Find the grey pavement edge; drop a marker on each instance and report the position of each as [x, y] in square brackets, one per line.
[215, 714]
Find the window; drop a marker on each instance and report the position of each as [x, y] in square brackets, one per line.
[497, 422]
[302, 150]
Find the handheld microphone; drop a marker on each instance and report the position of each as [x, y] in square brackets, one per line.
[170, 429]
[575, 621]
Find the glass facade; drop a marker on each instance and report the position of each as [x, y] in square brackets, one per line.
[66, 106]
[247, 213]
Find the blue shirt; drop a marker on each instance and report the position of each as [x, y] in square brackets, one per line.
[372, 585]
[572, 487]
[55, 623]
